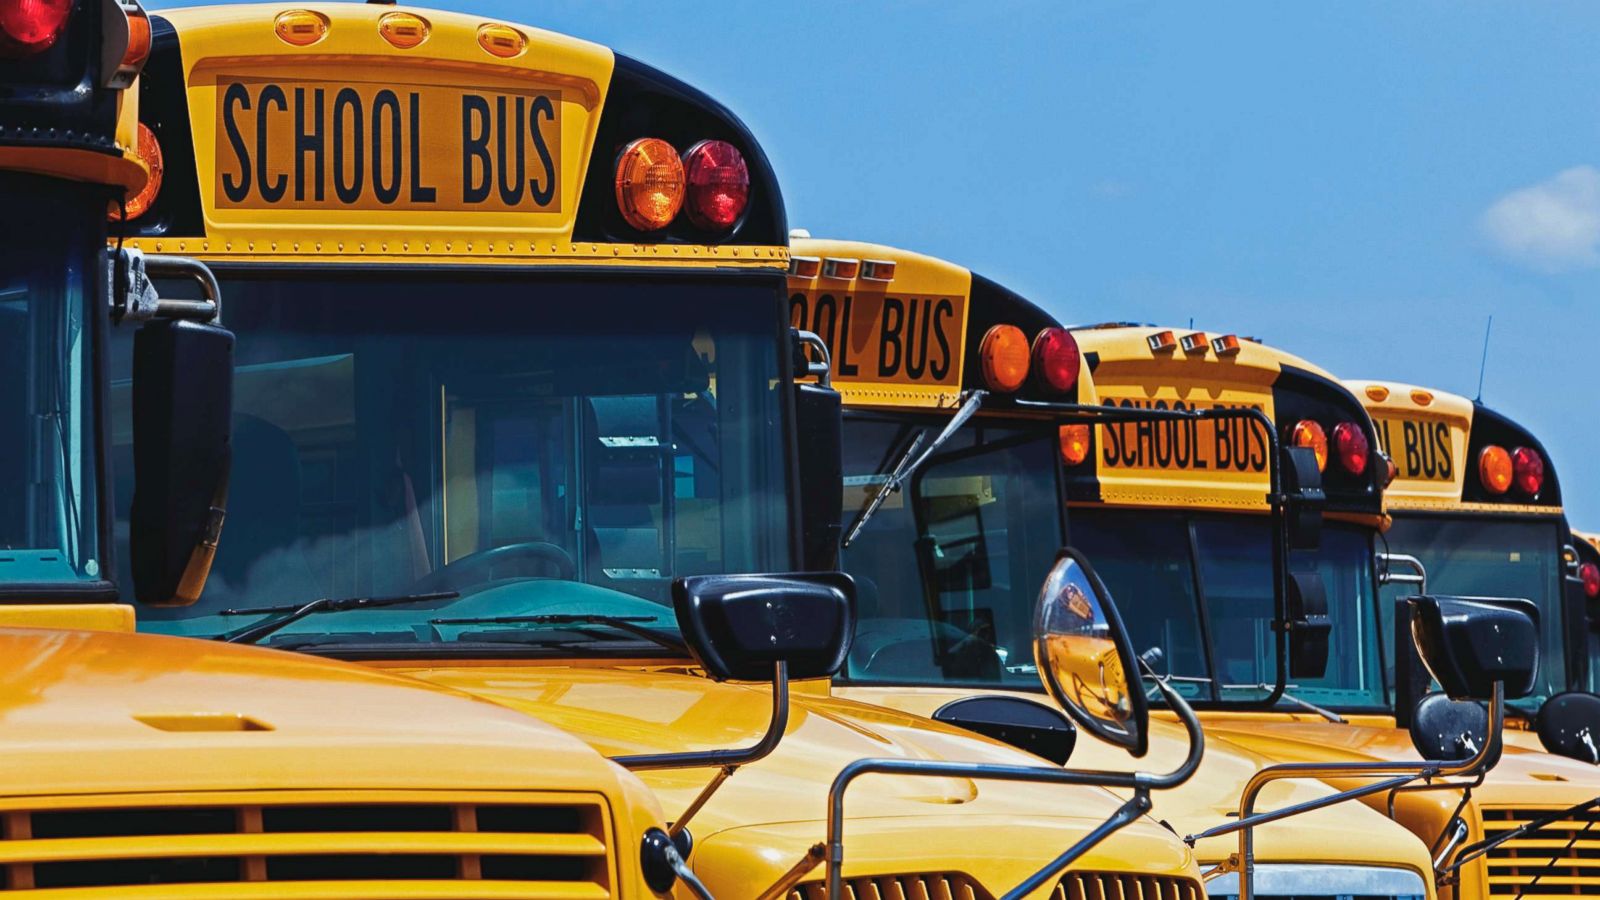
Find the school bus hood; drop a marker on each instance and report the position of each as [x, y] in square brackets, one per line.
[97, 712]
[1348, 833]
[627, 711]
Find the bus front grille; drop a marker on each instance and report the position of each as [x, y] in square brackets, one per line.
[355, 845]
[935, 886]
[1562, 859]
[1124, 886]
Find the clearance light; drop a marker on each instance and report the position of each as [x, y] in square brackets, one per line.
[650, 184]
[1527, 470]
[501, 40]
[1162, 341]
[301, 27]
[842, 269]
[805, 266]
[1589, 574]
[1055, 358]
[1004, 354]
[1309, 434]
[149, 152]
[1194, 343]
[1350, 446]
[1391, 471]
[1074, 440]
[1377, 392]
[877, 269]
[1226, 345]
[28, 27]
[1494, 469]
[402, 29]
[1421, 397]
[719, 184]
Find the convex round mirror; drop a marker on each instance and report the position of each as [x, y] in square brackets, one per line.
[1084, 655]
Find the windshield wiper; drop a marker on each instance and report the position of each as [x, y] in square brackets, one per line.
[911, 460]
[295, 612]
[1292, 700]
[620, 623]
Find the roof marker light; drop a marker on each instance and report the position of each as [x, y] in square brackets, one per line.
[1056, 359]
[1226, 345]
[1421, 397]
[1377, 392]
[300, 27]
[1074, 442]
[805, 266]
[1193, 343]
[1307, 433]
[1162, 342]
[1004, 354]
[1350, 445]
[838, 267]
[650, 184]
[877, 269]
[1494, 469]
[402, 29]
[502, 41]
[1527, 470]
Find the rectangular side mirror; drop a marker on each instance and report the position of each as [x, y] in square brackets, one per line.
[1469, 643]
[739, 627]
[182, 421]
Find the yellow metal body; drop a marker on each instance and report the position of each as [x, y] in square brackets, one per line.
[1524, 780]
[910, 835]
[1349, 834]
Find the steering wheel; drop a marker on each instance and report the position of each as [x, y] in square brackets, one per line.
[530, 559]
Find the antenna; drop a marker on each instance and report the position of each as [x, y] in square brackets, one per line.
[1484, 362]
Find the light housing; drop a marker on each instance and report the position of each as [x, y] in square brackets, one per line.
[1004, 356]
[1226, 345]
[1494, 469]
[30, 27]
[1161, 342]
[1527, 470]
[402, 29]
[149, 152]
[1589, 574]
[878, 269]
[1194, 342]
[300, 27]
[1309, 434]
[719, 185]
[1351, 447]
[1056, 359]
[1074, 442]
[841, 268]
[501, 41]
[650, 184]
[125, 43]
[805, 266]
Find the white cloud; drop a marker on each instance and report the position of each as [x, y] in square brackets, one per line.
[1552, 226]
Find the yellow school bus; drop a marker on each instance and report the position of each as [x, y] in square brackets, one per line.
[947, 552]
[1291, 663]
[513, 364]
[139, 766]
[1476, 500]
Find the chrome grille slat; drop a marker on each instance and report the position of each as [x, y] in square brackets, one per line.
[1561, 870]
[920, 886]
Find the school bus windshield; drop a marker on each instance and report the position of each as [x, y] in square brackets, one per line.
[1484, 557]
[982, 519]
[1198, 589]
[48, 484]
[538, 446]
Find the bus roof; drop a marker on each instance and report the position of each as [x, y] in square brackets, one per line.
[1435, 440]
[1215, 464]
[903, 328]
[348, 132]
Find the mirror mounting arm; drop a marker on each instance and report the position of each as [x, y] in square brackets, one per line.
[726, 761]
[1395, 775]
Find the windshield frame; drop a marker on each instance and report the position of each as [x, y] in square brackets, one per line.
[620, 646]
[77, 213]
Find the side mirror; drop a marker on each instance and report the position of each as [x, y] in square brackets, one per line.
[182, 421]
[1569, 725]
[1303, 498]
[819, 433]
[1022, 723]
[741, 627]
[1309, 627]
[1468, 644]
[1085, 658]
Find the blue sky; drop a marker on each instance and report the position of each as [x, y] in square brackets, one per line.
[1360, 183]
